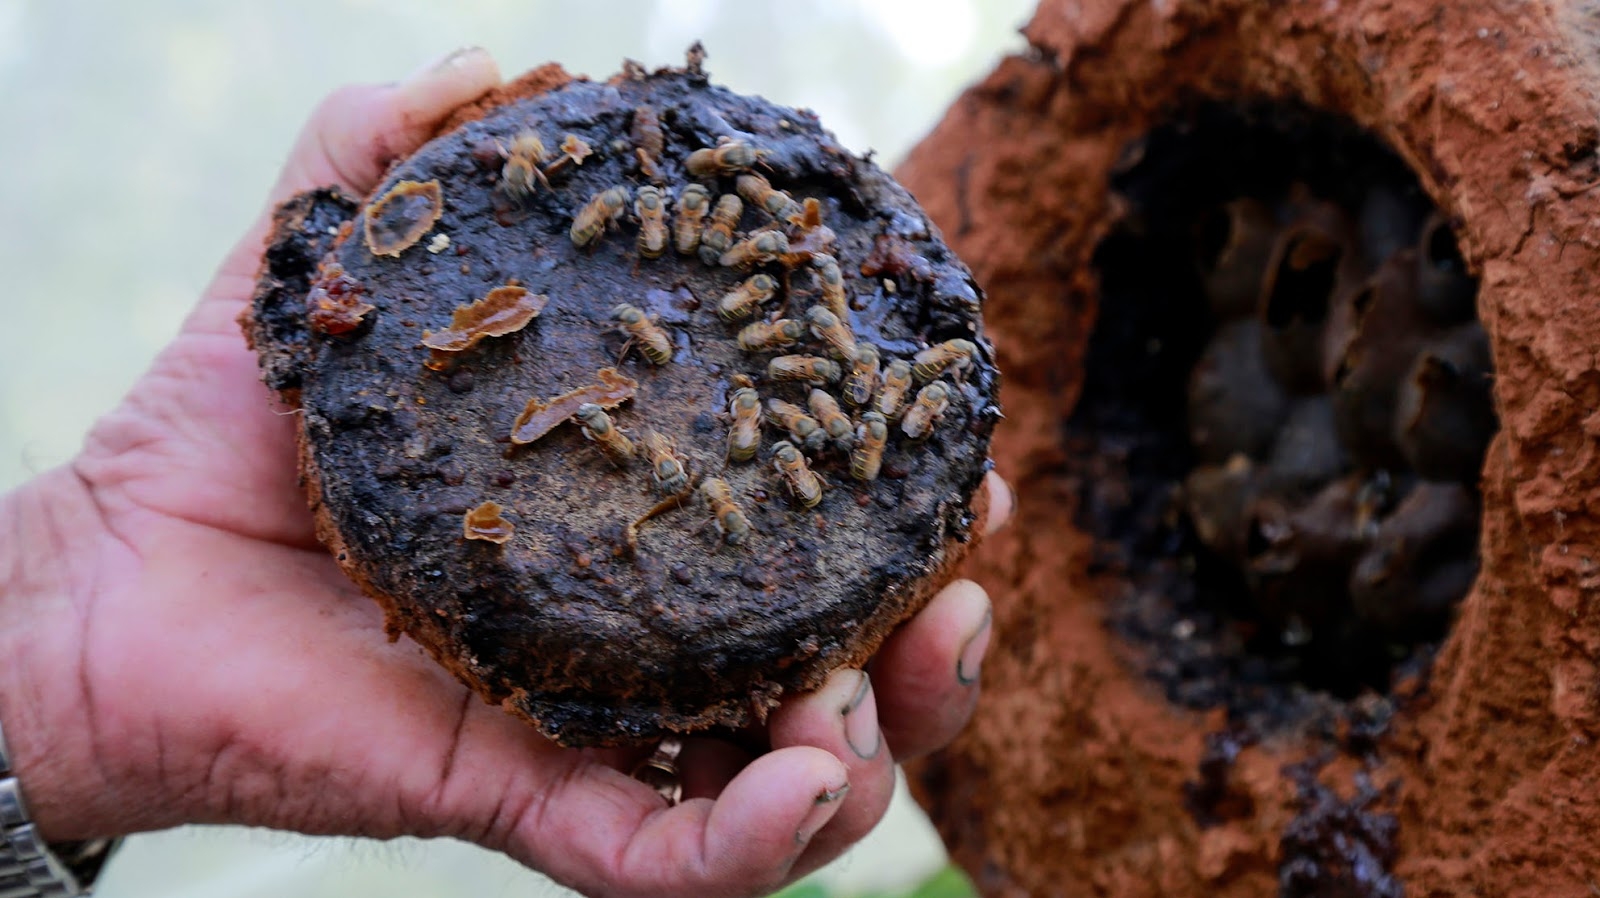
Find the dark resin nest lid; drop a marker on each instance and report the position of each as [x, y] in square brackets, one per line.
[443, 344]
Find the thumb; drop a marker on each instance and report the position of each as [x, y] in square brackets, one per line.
[349, 142]
[359, 130]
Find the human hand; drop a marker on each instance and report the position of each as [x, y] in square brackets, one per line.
[181, 649]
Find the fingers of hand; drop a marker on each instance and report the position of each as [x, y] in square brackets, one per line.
[349, 141]
[359, 130]
[927, 671]
[743, 843]
[842, 718]
[1002, 502]
[708, 765]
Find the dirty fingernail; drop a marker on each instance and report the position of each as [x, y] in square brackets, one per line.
[1002, 502]
[861, 722]
[970, 661]
[465, 57]
[826, 806]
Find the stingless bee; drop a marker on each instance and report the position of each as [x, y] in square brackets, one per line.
[744, 434]
[831, 282]
[742, 300]
[666, 466]
[871, 437]
[603, 208]
[804, 484]
[731, 523]
[832, 330]
[520, 177]
[693, 204]
[755, 249]
[653, 342]
[826, 410]
[951, 355]
[810, 215]
[718, 235]
[652, 212]
[863, 379]
[925, 411]
[896, 387]
[647, 167]
[764, 336]
[724, 159]
[759, 192]
[804, 428]
[808, 368]
[646, 131]
[598, 426]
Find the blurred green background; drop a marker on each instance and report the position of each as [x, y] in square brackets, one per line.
[139, 141]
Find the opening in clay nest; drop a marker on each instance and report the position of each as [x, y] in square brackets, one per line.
[1285, 408]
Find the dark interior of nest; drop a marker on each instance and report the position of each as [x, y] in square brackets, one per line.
[1285, 410]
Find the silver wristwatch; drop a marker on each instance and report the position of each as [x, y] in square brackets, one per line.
[29, 868]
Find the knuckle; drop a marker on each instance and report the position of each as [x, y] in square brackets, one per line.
[341, 100]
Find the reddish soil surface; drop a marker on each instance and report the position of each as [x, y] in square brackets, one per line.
[1071, 779]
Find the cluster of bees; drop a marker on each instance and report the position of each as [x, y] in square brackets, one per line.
[907, 394]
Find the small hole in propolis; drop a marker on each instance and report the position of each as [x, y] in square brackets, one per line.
[1285, 410]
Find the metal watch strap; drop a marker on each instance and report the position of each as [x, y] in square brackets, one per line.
[29, 868]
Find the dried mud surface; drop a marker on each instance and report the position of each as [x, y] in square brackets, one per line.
[1077, 776]
[595, 636]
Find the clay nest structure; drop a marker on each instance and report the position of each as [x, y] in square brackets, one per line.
[1287, 477]
[1277, 616]
[638, 403]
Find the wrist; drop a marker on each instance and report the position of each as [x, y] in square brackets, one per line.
[30, 867]
[50, 533]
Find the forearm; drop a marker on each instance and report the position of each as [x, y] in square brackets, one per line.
[50, 534]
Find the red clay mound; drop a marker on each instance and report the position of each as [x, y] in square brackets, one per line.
[1078, 776]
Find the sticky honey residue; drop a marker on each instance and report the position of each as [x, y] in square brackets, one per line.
[812, 237]
[400, 218]
[503, 310]
[334, 304]
[486, 523]
[894, 256]
[540, 417]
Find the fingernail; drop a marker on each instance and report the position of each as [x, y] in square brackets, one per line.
[999, 484]
[459, 59]
[826, 806]
[970, 662]
[861, 722]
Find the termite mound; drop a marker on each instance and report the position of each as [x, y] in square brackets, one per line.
[526, 446]
[1079, 773]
